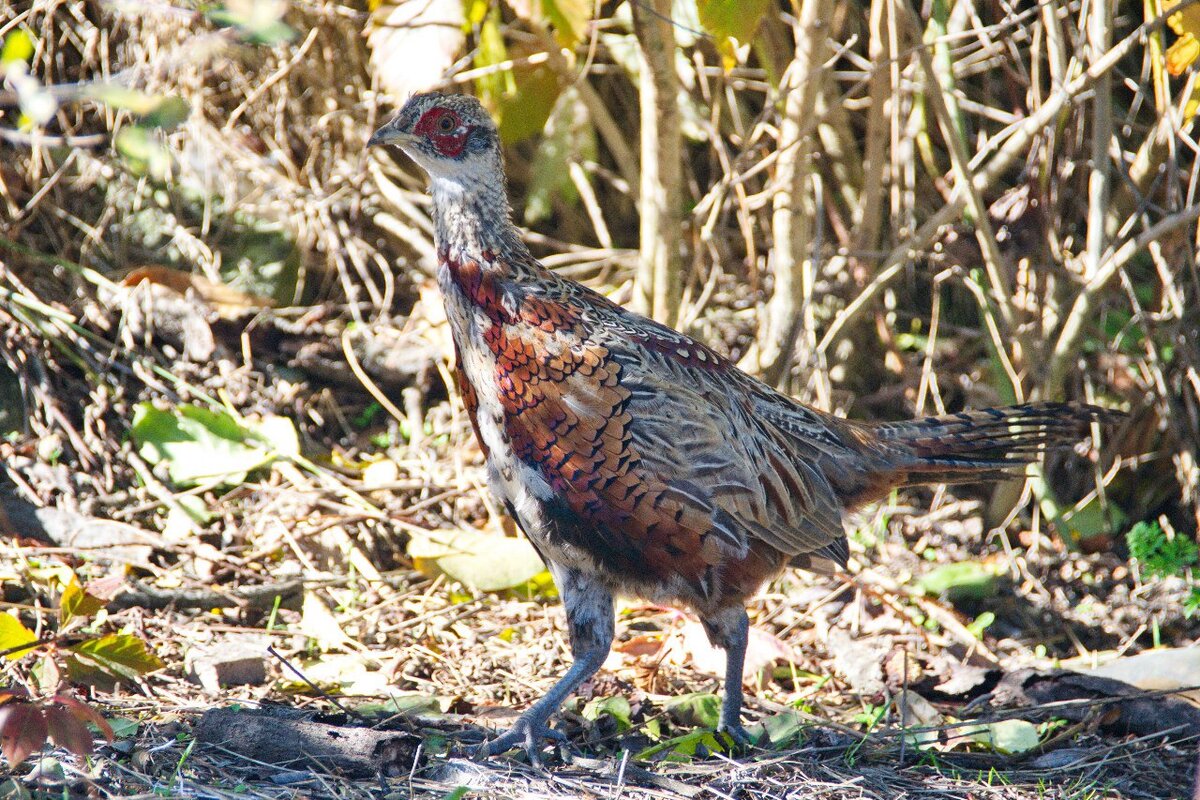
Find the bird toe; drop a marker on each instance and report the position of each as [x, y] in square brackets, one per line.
[531, 736]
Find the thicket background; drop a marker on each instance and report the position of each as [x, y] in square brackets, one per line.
[224, 382]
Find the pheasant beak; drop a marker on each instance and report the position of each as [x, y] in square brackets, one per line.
[389, 134]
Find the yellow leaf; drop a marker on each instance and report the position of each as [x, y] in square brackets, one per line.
[1186, 24]
[1182, 53]
[1191, 106]
[14, 634]
[77, 602]
[490, 50]
[569, 19]
[18, 46]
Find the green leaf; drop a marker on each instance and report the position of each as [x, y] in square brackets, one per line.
[965, 580]
[255, 21]
[18, 47]
[118, 655]
[1158, 555]
[980, 624]
[699, 709]
[1096, 518]
[785, 727]
[540, 587]
[168, 114]
[520, 98]
[14, 634]
[1008, 737]
[409, 703]
[524, 113]
[616, 707]
[570, 139]
[684, 748]
[487, 562]
[731, 22]
[1191, 603]
[489, 51]
[198, 445]
[153, 110]
[144, 153]
[474, 13]
[124, 728]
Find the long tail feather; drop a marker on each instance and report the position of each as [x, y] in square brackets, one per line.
[986, 444]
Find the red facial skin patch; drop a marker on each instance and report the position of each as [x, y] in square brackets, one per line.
[443, 127]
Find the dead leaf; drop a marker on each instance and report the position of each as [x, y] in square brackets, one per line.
[915, 711]
[318, 623]
[1161, 669]
[85, 713]
[692, 647]
[229, 303]
[483, 561]
[413, 43]
[859, 661]
[354, 674]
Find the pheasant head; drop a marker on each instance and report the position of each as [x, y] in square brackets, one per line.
[453, 138]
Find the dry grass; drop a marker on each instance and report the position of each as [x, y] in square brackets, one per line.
[1062, 293]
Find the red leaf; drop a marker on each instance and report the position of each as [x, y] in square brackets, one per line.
[67, 730]
[85, 713]
[22, 731]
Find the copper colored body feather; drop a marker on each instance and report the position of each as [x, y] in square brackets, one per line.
[636, 459]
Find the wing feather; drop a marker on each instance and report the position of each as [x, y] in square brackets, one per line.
[659, 447]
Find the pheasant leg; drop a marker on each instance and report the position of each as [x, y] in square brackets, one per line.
[590, 622]
[730, 629]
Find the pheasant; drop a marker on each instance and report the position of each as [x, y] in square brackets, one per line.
[637, 460]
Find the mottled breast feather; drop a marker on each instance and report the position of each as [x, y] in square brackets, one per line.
[656, 492]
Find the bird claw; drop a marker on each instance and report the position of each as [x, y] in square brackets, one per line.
[740, 736]
[528, 735]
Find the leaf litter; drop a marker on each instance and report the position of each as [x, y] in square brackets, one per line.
[373, 585]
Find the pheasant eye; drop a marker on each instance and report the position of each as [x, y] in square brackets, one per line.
[446, 124]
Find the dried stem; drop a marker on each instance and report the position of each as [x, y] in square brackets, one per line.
[658, 287]
[999, 156]
[792, 202]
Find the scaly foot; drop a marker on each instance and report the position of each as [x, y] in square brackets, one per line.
[531, 735]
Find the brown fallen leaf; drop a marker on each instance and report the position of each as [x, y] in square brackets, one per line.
[225, 300]
[645, 644]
